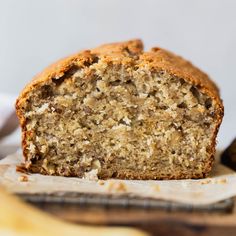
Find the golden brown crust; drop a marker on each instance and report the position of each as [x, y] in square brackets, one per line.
[124, 53]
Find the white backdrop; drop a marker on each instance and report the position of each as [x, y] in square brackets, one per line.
[35, 33]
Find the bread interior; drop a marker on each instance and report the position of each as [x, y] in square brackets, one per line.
[117, 122]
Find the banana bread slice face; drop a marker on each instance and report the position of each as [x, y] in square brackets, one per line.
[119, 112]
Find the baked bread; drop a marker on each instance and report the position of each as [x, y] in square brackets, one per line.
[119, 112]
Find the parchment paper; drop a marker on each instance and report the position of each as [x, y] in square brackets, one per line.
[219, 186]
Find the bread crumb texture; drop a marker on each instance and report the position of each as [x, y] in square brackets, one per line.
[119, 112]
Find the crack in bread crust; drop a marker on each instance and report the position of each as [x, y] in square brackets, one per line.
[122, 113]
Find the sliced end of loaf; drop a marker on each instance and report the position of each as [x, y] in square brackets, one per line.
[117, 121]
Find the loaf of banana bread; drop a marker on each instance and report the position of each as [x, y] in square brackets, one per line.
[117, 111]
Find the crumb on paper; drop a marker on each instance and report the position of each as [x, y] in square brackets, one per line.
[221, 181]
[206, 181]
[117, 187]
[156, 188]
[101, 182]
[23, 178]
[214, 181]
[91, 175]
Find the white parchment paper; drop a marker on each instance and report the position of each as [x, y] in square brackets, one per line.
[219, 186]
